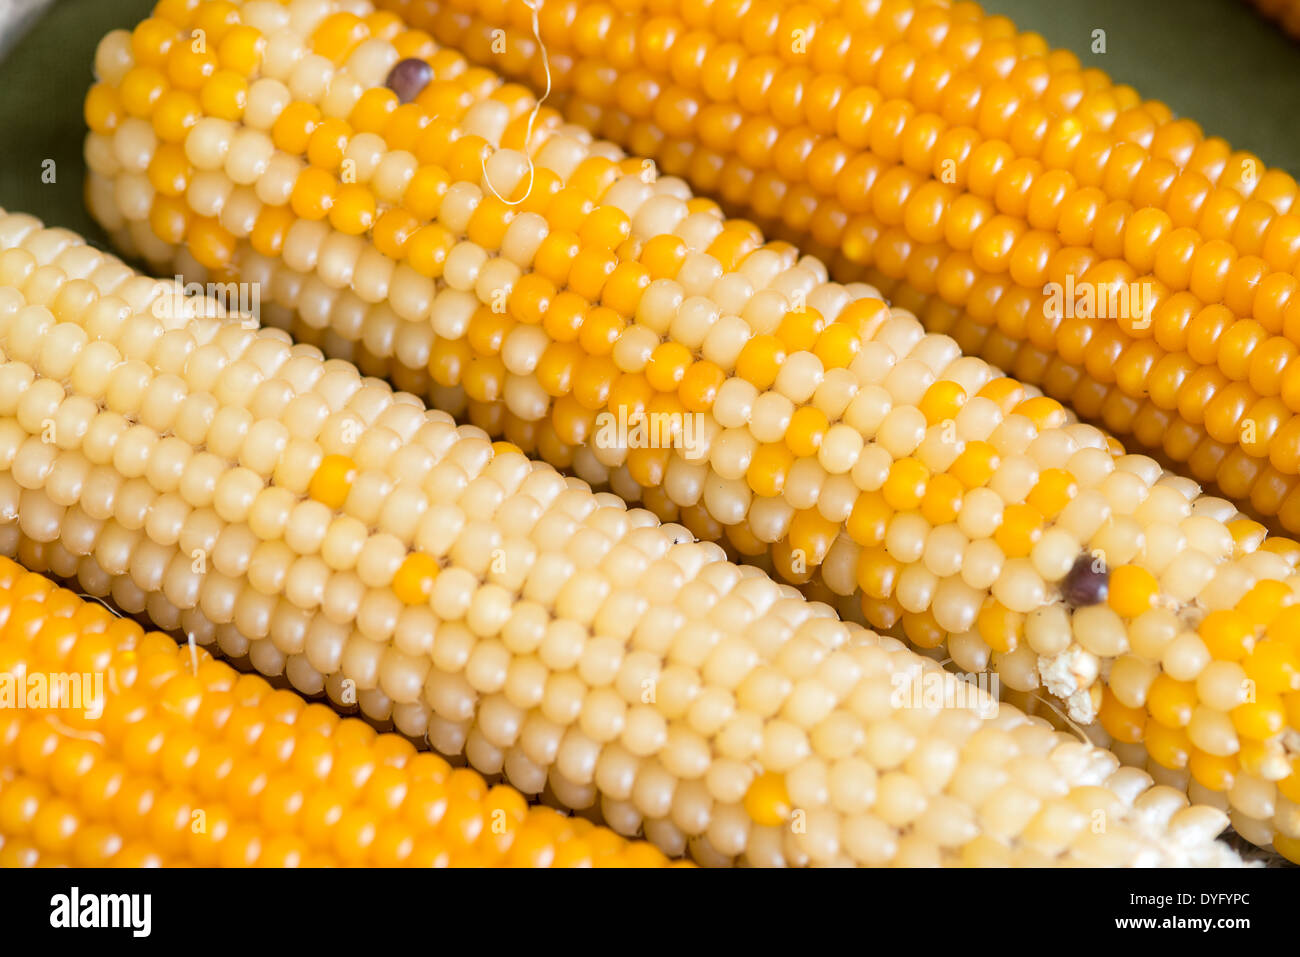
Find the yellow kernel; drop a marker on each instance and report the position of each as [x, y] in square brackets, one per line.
[1053, 491]
[942, 500]
[1044, 412]
[427, 249]
[975, 465]
[767, 802]
[807, 428]
[1021, 527]
[241, 49]
[869, 519]
[224, 95]
[768, 469]
[1274, 667]
[1260, 719]
[413, 583]
[423, 196]
[999, 626]
[1120, 721]
[1268, 599]
[1171, 702]
[333, 480]
[877, 573]
[760, 360]
[812, 534]
[1132, 590]
[151, 40]
[103, 109]
[1229, 635]
[353, 209]
[140, 89]
[1213, 771]
[210, 243]
[1247, 536]
[800, 329]
[942, 401]
[837, 346]
[175, 115]
[313, 194]
[905, 486]
[293, 128]
[1005, 392]
[337, 35]
[662, 256]
[1168, 747]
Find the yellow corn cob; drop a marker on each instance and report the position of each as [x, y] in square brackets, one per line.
[281, 508]
[1202, 376]
[159, 756]
[835, 434]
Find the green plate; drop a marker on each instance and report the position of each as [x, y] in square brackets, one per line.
[1217, 62]
[43, 82]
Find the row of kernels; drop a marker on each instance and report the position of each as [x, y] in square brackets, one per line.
[713, 68]
[1237, 474]
[1240, 476]
[1190, 654]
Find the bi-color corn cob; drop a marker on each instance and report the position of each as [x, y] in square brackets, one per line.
[978, 189]
[154, 755]
[835, 435]
[282, 508]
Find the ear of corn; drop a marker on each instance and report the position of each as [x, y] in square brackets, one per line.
[282, 509]
[152, 755]
[972, 168]
[837, 438]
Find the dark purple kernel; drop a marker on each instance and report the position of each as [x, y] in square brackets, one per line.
[408, 78]
[1087, 582]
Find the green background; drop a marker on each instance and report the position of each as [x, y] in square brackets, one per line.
[1213, 60]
